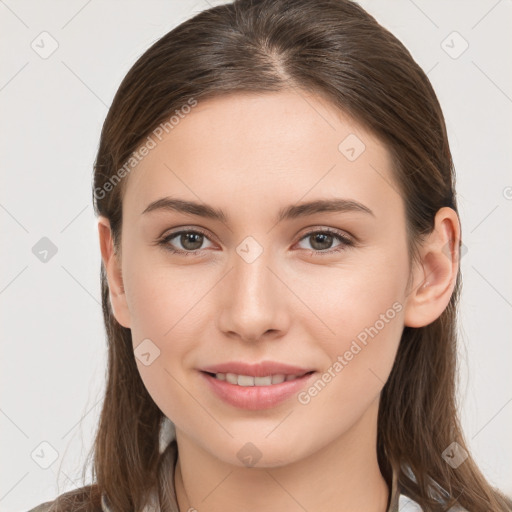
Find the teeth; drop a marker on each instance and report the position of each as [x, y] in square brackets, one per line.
[248, 380]
[231, 378]
[277, 379]
[262, 381]
[245, 380]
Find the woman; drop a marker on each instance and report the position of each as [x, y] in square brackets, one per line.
[280, 242]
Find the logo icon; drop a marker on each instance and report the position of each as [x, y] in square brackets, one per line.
[455, 455]
[44, 45]
[44, 250]
[146, 352]
[44, 454]
[454, 45]
[249, 455]
[249, 249]
[351, 147]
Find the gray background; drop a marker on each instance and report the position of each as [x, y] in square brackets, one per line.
[52, 338]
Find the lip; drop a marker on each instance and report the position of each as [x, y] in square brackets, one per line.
[255, 397]
[262, 369]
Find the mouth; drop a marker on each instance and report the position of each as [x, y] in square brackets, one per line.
[249, 380]
[255, 392]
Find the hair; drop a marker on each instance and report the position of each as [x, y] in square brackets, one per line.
[335, 50]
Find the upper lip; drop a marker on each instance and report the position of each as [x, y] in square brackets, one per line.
[262, 369]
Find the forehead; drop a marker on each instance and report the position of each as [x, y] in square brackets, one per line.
[251, 149]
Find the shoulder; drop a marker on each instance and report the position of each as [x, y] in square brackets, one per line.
[43, 507]
[83, 499]
[406, 504]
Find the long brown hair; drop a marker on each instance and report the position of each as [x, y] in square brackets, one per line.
[335, 49]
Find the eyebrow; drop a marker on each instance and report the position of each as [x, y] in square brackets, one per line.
[294, 211]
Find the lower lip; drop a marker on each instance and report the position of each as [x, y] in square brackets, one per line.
[256, 397]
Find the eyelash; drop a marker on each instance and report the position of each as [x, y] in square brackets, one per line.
[345, 242]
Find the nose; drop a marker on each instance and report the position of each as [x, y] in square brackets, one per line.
[252, 301]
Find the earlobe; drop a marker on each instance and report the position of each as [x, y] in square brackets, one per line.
[112, 264]
[435, 275]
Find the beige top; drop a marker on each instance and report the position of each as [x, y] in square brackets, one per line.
[171, 455]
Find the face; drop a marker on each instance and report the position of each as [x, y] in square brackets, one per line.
[320, 291]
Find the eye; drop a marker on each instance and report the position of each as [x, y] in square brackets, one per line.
[321, 241]
[190, 241]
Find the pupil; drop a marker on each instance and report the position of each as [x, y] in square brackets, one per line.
[322, 237]
[320, 241]
[194, 238]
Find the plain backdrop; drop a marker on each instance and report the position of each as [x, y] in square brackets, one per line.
[52, 109]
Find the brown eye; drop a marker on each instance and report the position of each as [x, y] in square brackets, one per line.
[321, 242]
[191, 241]
[184, 242]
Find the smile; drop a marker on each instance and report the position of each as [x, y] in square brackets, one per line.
[248, 380]
[255, 393]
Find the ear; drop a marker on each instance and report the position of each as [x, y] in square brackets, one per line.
[112, 264]
[434, 276]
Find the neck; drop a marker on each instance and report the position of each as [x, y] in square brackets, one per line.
[343, 476]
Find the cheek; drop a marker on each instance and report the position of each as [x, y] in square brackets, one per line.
[166, 311]
[367, 321]
[163, 321]
[364, 313]
[354, 296]
[161, 298]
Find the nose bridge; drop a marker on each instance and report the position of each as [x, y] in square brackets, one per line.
[253, 302]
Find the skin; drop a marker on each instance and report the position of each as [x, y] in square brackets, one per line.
[250, 155]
